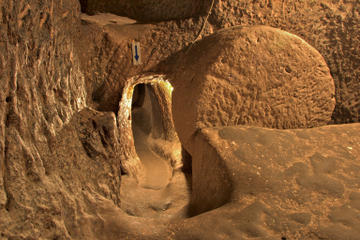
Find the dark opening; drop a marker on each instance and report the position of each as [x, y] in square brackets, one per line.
[187, 167]
[138, 96]
[83, 5]
[187, 161]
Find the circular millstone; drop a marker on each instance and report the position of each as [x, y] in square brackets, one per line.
[258, 76]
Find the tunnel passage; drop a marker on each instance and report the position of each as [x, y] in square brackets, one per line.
[155, 185]
[152, 151]
[148, 129]
[145, 120]
[148, 98]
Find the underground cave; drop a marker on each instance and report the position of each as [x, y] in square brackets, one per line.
[267, 114]
[164, 187]
[147, 127]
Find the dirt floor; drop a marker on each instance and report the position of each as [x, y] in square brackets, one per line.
[160, 193]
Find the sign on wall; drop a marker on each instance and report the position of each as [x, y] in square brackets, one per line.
[136, 53]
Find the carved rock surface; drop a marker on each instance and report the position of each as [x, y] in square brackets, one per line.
[258, 76]
[275, 184]
[104, 49]
[59, 159]
[148, 10]
[332, 27]
[53, 161]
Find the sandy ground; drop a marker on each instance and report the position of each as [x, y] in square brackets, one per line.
[158, 172]
[160, 193]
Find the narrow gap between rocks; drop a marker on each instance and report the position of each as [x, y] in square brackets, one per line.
[83, 5]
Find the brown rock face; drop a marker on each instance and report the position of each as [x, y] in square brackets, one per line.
[104, 48]
[148, 10]
[251, 76]
[53, 153]
[277, 184]
[332, 27]
[64, 135]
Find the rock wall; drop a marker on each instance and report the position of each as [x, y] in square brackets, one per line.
[41, 83]
[60, 169]
[257, 75]
[58, 157]
[332, 27]
[275, 184]
[104, 49]
[148, 10]
[51, 154]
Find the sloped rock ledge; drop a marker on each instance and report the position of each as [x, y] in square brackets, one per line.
[297, 184]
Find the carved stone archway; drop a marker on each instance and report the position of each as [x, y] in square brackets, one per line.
[162, 90]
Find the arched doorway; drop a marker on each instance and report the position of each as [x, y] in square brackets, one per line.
[148, 130]
[158, 105]
[151, 151]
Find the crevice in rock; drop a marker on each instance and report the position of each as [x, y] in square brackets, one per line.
[8, 196]
[4, 163]
[212, 186]
[187, 166]
[83, 5]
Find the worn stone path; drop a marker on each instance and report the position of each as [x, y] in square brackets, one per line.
[158, 172]
[160, 193]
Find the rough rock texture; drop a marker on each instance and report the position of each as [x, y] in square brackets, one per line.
[293, 184]
[250, 76]
[41, 87]
[332, 27]
[159, 127]
[59, 159]
[148, 10]
[104, 49]
[49, 158]
[55, 168]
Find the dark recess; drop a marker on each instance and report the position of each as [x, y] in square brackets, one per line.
[138, 96]
[187, 167]
[187, 161]
[83, 5]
